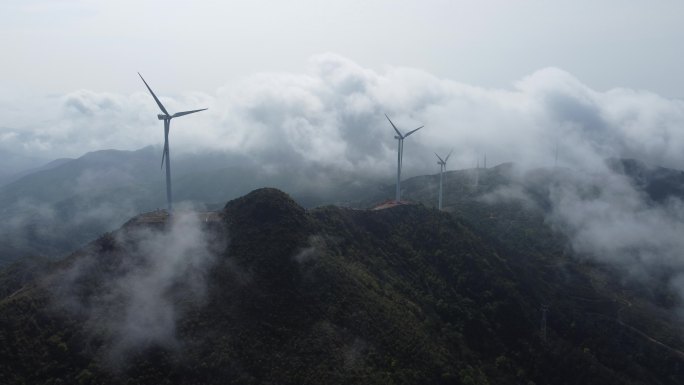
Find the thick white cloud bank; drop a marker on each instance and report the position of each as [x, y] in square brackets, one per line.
[332, 114]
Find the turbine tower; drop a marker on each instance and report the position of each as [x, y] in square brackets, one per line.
[442, 168]
[166, 117]
[400, 154]
[555, 162]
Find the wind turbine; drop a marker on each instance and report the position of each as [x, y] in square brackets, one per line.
[555, 163]
[166, 117]
[400, 154]
[442, 168]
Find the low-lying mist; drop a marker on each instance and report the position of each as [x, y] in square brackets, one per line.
[610, 216]
[332, 115]
[148, 279]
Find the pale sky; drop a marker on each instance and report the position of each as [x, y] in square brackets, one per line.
[57, 46]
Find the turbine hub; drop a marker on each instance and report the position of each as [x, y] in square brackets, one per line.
[162, 117]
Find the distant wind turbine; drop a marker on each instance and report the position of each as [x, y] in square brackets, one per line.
[400, 154]
[166, 117]
[555, 162]
[442, 168]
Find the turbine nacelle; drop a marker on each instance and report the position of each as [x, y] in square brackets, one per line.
[163, 117]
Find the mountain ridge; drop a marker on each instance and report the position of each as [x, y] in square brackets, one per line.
[335, 295]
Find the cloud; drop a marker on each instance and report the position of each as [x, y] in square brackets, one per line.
[608, 216]
[332, 115]
[151, 278]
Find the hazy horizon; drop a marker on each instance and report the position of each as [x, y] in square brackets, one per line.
[332, 113]
[308, 82]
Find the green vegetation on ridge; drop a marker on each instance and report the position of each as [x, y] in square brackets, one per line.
[407, 295]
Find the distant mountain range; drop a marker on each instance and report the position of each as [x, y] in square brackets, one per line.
[54, 209]
[15, 164]
[60, 206]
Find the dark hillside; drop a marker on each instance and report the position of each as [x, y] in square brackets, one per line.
[277, 294]
[659, 183]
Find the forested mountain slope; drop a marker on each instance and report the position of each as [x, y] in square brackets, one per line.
[265, 291]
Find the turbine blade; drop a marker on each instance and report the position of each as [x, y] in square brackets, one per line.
[395, 127]
[411, 132]
[161, 106]
[440, 159]
[165, 150]
[177, 114]
[447, 157]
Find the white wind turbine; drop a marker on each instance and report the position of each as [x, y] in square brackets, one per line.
[166, 117]
[400, 154]
[442, 168]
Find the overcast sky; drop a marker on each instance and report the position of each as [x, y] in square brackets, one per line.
[326, 71]
[63, 45]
